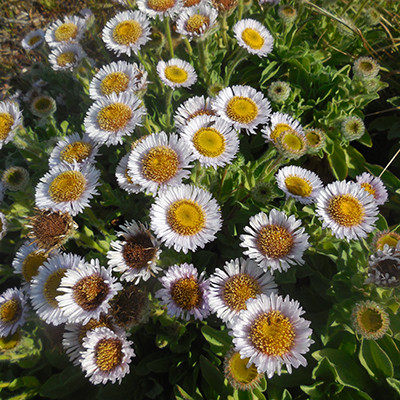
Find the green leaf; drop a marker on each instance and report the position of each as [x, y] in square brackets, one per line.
[374, 359]
[181, 394]
[394, 383]
[214, 377]
[220, 341]
[337, 162]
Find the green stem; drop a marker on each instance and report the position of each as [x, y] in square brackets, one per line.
[168, 107]
[222, 182]
[240, 9]
[360, 9]
[203, 60]
[188, 46]
[236, 61]
[224, 29]
[169, 37]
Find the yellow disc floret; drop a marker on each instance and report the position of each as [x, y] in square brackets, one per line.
[31, 264]
[67, 186]
[196, 22]
[186, 217]
[253, 38]
[175, 74]
[186, 293]
[298, 186]
[238, 289]
[76, 151]
[209, 142]
[67, 58]
[6, 122]
[66, 32]
[274, 241]
[114, 117]
[50, 289]
[160, 164]
[127, 32]
[108, 354]
[160, 5]
[242, 109]
[90, 292]
[114, 82]
[346, 210]
[10, 310]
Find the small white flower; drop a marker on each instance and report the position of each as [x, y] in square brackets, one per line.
[373, 185]
[176, 73]
[66, 57]
[13, 310]
[10, 120]
[160, 8]
[33, 40]
[280, 123]
[70, 30]
[124, 179]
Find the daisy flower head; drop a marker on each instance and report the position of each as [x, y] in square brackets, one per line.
[275, 240]
[370, 320]
[212, 140]
[45, 287]
[231, 287]
[136, 255]
[117, 77]
[15, 178]
[196, 22]
[254, 37]
[185, 217]
[86, 292]
[384, 267]
[184, 292]
[3, 225]
[300, 183]
[176, 73]
[160, 8]
[10, 120]
[70, 30]
[13, 309]
[67, 188]
[106, 356]
[316, 139]
[114, 116]
[386, 237]
[33, 40]
[287, 13]
[127, 32]
[366, 68]
[353, 128]
[124, 179]
[280, 123]
[271, 332]
[43, 106]
[74, 149]
[191, 108]
[159, 160]
[66, 57]
[373, 185]
[347, 209]
[292, 144]
[243, 107]
[279, 91]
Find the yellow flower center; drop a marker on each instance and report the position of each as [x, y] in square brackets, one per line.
[76, 151]
[186, 293]
[92, 324]
[108, 354]
[272, 333]
[238, 289]
[138, 251]
[33, 40]
[6, 122]
[10, 311]
[50, 289]
[369, 188]
[298, 186]
[278, 130]
[253, 38]
[42, 104]
[68, 186]
[67, 31]
[160, 5]
[114, 117]
[239, 372]
[11, 341]
[346, 210]
[160, 164]
[114, 82]
[90, 292]
[176, 74]
[366, 66]
[274, 241]
[202, 111]
[31, 264]
[292, 142]
[242, 109]
[313, 139]
[186, 217]
[127, 32]
[209, 142]
[391, 239]
[196, 22]
[67, 58]
[370, 320]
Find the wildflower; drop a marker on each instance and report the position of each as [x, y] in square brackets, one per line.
[13, 309]
[374, 186]
[70, 30]
[225, 6]
[10, 120]
[391, 239]
[124, 179]
[33, 40]
[292, 144]
[316, 139]
[176, 73]
[287, 13]
[370, 320]
[160, 8]
[279, 91]
[384, 267]
[66, 57]
[279, 124]
[15, 178]
[43, 106]
[366, 68]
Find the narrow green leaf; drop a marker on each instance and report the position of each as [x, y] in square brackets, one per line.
[374, 359]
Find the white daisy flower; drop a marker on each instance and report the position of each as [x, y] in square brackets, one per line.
[13, 309]
[112, 117]
[127, 32]
[243, 107]
[70, 30]
[158, 161]
[231, 287]
[124, 179]
[347, 209]
[184, 292]
[106, 356]
[212, 140]
[45, 287]
[300, 183]
[280, 123]
[176, 73]
[272, 333]
[373, 185]
[3, 225]
[67, 188]
[33, 40]
[185, 217]
[87, 291]
[28, 259]
[191, 108]
[275, 240]
[196, 22]
[75, 333]
[10, 120]
[117, 77]
[136, 255]
[66, 57]
[160, 8]
[254, 37]
[73, 149]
